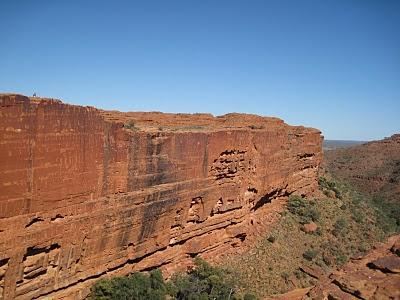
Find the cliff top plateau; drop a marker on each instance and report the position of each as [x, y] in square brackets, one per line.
[159, 121]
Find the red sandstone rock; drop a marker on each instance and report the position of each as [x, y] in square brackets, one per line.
[364, 278]
[309, 227]
[396, 248]
[390, 263]
[86, 193]
[313, 271]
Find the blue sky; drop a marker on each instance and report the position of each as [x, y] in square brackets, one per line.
[333, 65]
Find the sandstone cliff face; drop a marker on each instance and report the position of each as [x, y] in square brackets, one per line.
[86, 193]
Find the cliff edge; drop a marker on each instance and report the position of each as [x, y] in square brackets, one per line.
[87, 193]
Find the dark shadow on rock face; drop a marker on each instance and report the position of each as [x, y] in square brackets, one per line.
[151, 215]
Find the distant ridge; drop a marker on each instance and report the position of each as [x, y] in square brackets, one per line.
[336, 144]
[373, 168]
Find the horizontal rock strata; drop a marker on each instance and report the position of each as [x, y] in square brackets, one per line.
[86, 193]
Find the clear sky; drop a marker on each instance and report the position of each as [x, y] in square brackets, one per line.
[334, 65]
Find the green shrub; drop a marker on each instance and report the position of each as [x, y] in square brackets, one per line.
[325, 184]
[341, 258]
[388, 215]
[285, 276]
[203, 282]
[318, 232]
[312, 214]
[103, 289]
[357, 215]
[138, 286]
[357, 199]
[296, 204]
[130, 125]
[363, 247]
[303, 208]
[310, 254]
[299, 274]
[339, 226]
[328, 259]
[249, 297]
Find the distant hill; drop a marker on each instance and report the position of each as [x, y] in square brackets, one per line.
[373, 167]
[335, 144]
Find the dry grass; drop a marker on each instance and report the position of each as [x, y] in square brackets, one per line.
[347, 226]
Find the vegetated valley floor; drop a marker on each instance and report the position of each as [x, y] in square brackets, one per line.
[348, 224]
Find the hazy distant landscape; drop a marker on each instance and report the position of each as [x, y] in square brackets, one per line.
[335, 144]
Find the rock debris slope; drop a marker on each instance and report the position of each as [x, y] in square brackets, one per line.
[86, 193]
[374, 276]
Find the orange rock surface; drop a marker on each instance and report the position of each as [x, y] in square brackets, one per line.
[374, 276]
[86, 193]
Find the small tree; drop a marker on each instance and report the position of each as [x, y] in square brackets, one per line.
[137, 286]
[203, 282]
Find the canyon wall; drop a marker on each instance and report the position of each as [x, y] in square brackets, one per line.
[86, 193]
[372, 168]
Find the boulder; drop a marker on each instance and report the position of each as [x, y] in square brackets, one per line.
[309, 227]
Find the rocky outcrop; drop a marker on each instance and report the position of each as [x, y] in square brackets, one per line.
[86, 193]
[373, 276]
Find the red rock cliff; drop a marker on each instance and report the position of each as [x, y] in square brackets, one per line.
[86, 193]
